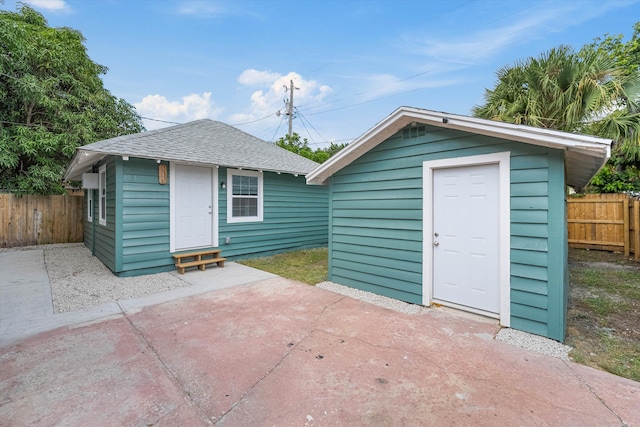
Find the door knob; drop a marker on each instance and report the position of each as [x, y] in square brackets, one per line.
[436, 243]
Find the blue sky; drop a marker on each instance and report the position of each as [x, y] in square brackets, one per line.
[354, 62]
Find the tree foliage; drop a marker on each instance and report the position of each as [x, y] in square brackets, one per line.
[625, 55]
[595, 91]
[294, 144]
[52, 100]
[613, 179]
[583, 91]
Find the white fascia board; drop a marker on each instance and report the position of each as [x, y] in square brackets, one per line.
[593, 146]
[367, 141]
[82, 162]
[532, 135]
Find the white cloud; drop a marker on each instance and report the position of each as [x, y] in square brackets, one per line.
[208, 8]
[192, 107]
[526, 25]
[253, 77]
[200, 8]
[271, 93]
[51, 5]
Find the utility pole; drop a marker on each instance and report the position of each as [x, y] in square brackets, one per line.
[290, 107]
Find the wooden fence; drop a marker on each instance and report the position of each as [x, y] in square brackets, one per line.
[37, 220]
[609, 222]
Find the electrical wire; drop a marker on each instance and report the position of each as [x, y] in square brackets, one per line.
[273, 138]
[307, 129]
[303, 118]
[256, 120]
[162, 121]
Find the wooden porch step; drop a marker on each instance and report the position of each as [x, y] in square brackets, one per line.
[198, 258]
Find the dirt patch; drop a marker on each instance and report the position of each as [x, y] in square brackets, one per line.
[603, 323]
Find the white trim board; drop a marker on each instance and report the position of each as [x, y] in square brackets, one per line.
[584, 154]
[503, 160]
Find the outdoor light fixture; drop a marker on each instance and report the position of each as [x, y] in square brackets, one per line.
[223, 185]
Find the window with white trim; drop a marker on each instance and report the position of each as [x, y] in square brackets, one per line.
[102, 195]
[89, 204]
[244, 196]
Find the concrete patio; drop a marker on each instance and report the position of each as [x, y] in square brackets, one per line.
[277, 352]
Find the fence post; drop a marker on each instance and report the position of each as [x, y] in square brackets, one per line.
[636, 228]
[625, 210]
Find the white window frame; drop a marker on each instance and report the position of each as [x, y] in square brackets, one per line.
[89, 205]
[230, 218]
[102, 195]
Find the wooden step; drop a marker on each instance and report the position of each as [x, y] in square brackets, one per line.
[200, 259]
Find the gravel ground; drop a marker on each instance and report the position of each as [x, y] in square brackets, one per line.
[79, 280]
[534, 343]
[379, 300]
[514, 337]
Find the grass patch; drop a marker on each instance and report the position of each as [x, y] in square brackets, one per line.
[603, 324]
[306, 266]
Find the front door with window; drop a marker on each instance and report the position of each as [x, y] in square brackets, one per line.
[194, 207]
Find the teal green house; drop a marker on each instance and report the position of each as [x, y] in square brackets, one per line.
[435, 208]
[195, 186]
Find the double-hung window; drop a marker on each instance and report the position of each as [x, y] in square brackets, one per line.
[244, 196]
[102, 195]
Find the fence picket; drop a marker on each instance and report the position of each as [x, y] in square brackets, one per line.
[36, 220]
[608, 222]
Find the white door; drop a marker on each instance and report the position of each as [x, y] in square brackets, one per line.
[466, 269]
[193, 207]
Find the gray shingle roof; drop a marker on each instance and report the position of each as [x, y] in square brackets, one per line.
[202, 141]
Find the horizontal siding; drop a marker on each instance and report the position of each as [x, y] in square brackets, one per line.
[530, 241]
[376, 214]
[145, 219]
[295, 216]
[532, 286]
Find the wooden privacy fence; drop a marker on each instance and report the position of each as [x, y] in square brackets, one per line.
[37, 220]
[609, 222]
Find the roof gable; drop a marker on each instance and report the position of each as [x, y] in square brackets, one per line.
[205, 142]
[584, 154]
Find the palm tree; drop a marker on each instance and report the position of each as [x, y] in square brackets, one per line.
[571, 91]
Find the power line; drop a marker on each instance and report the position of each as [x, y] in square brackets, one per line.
[277, 129]
[256, 120]
[162, 121]
[305, 127]
[303, 118]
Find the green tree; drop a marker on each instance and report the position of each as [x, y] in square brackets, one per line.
[583, 91]
[52, 100]
[294, 144]
[625, 54]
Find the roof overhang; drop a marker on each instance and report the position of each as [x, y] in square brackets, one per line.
[84, 160]
[584, 154]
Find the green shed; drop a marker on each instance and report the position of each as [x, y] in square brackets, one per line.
[436, 208]
[197, 186]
